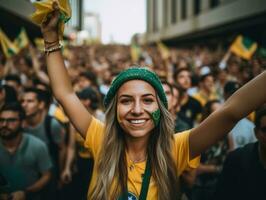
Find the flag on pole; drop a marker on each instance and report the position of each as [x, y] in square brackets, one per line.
[243, 47]
[164, 50]
[135, 52]
[9, 49]
[22, 39]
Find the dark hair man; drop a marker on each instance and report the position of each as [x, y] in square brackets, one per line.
[37, 122]
[25, 161]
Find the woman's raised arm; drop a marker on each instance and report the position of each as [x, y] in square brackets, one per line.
[59, 79]
[218, 124]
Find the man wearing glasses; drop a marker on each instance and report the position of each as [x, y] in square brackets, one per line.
[244, 173]
[24, 159]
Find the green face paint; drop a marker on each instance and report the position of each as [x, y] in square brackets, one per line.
[156, 116]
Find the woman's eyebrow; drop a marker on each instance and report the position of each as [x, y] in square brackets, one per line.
[149, 94]
[130, 96]
[125, 96]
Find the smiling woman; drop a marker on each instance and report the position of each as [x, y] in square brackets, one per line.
[135, 136]
[136, 102]
[136, 153]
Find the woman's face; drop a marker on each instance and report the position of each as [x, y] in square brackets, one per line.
[136, 101]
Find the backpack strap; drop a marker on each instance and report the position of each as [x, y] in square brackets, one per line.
[53, 147]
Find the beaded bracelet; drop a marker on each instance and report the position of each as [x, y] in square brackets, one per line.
[49, 50]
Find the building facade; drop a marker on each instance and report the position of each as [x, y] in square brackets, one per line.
[184, 21]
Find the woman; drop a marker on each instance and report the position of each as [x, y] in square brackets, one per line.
[137, 137]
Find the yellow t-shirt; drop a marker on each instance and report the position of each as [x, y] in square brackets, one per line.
[94, 140]
[203, 98]
[83, 152]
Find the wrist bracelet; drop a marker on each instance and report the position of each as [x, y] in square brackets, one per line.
[49, 50]
[47, 42]
[46, 46]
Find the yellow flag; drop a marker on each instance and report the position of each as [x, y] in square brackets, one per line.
[135, 52]
[39, 42]
[22, 40]
[243, 47]
[43, 8]
[9, 49]
[164, 51]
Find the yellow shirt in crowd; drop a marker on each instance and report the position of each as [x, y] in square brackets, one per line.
[203, 98]
[94, 140]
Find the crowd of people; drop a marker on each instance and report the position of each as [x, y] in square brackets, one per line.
[46, 154]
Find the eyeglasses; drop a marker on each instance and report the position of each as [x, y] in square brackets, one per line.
[8, 120]
[263, 129]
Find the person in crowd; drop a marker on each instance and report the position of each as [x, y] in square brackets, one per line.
[221, 79]
[107, 77]
[38, 123]
[190, 109]
[13, 80]
[244, 171]
[25, 162]
[7, 95]
[243, 132]
[137, 140]
[173, 102]
[86, 79]
[206, 90]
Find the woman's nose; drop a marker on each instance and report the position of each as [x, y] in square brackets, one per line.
[137, 108]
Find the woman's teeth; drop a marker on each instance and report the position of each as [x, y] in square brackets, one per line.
[137, 121]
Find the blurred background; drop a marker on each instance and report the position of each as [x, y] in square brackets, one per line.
[176, 22]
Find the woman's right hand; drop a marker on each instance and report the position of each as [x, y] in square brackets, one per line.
[49, 27]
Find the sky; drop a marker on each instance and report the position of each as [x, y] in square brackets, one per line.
[120, 19]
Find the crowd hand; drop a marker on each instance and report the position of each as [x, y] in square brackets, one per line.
[50, 26]
[18, 195]
[66, 176]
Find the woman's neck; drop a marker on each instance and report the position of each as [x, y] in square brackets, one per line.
[137, 149]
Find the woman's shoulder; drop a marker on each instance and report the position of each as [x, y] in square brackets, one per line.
[94, 135]
[180, 136]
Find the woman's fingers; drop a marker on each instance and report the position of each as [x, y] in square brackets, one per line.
[55, 5]
[55, 18]
[52, 18]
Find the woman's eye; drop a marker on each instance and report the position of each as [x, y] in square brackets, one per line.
[125, 101]
[148, 100]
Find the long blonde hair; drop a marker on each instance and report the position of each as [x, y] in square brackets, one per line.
[112, 166]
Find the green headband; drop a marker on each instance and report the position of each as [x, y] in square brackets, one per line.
[136, 73]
